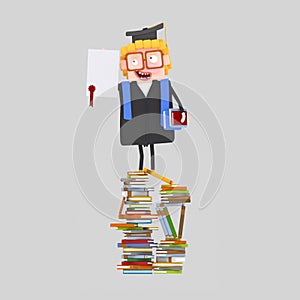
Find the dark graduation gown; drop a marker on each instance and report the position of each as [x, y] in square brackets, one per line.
[145, 126]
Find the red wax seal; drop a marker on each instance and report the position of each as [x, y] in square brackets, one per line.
[92, 89]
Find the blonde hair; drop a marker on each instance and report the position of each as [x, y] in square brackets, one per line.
[144, 44]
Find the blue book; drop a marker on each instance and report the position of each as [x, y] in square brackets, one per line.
[168, 232]
[140, 222]
[161, 221]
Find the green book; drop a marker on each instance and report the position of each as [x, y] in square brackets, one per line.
[175, 192]
[139, 206]
[170, 222]
[130, 228]
[139, 259]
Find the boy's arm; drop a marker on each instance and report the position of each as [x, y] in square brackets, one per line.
[120, 92]
[173, 93]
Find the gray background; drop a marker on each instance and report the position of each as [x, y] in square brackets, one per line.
[243, 57]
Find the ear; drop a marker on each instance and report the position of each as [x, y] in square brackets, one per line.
[123, 64]
[166, 59]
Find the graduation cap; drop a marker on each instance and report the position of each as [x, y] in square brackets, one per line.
[147, 33]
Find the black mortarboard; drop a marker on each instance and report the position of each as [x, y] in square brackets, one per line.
[147, 33]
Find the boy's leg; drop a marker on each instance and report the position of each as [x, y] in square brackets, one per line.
[152, 156]
[141, 157]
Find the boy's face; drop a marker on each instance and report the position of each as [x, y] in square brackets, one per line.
[144, 65]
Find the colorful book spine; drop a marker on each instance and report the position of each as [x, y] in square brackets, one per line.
[169, 219]
[168, 232]
[161, 221]
[140, 253]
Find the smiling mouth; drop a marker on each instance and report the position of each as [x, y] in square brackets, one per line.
[143, 75]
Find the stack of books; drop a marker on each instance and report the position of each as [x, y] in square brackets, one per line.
[174, 194]
[170, 256]
[137, 244]
[141, 254]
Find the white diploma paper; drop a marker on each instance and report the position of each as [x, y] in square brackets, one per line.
[103, 72]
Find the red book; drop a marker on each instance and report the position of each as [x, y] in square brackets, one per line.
[137, 241]
[178, 118]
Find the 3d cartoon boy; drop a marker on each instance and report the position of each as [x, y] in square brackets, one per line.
[146, 96]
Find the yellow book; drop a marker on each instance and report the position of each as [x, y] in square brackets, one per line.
[137, 250]
[140, 198]
[136, 173]
[173, 264]
[154, 174]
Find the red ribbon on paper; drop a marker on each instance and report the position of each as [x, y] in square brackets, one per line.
[92, 89]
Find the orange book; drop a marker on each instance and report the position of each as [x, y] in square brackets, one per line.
[174, 188]
[121, 207]
[135, 217]
[172, 241]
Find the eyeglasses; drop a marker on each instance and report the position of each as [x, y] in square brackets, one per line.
[153, 59]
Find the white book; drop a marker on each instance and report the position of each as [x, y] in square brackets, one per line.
[178, 259]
